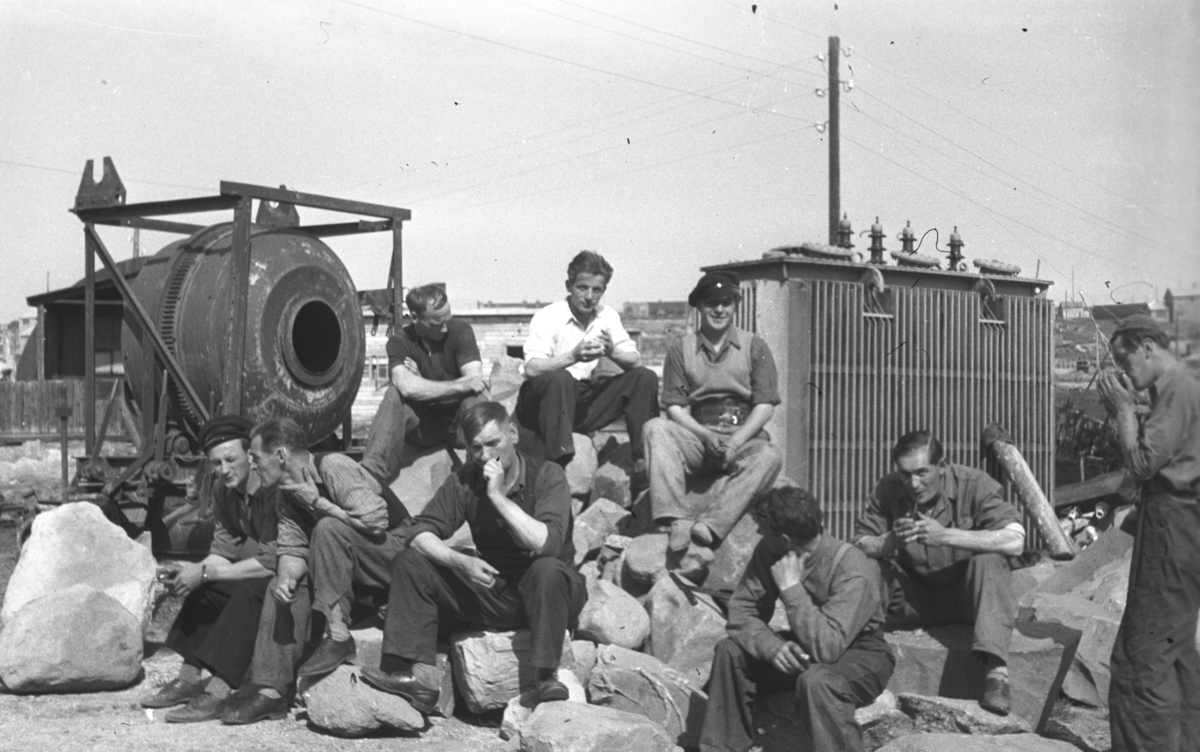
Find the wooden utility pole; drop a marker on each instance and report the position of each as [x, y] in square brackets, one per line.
[835, 164]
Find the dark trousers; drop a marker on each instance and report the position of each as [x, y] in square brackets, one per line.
[826, 695]
[282, 640]
[217, 625]
[980, 593]
[554, 405]
[547, 599]
[399, 421]
[1154, 698]
[340, 558]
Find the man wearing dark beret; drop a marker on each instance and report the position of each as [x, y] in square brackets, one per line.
[224, 592]
[720, 390]
[1154, 698]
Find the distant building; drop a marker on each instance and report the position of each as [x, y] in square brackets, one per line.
[1185, 304]
[1072, 309]
[13, 337]
[658, 309]
[1118, 311]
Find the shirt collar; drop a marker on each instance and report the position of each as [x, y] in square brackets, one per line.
[571, 315]
[731, 340]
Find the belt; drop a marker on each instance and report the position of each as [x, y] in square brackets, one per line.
[725, 412]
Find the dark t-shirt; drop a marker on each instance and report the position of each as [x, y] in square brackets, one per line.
[440, 360]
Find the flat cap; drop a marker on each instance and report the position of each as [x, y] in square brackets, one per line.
[715, 286]
[1139, 323]
[224, 428]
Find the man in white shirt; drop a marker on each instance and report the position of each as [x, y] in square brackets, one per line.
[562, 393]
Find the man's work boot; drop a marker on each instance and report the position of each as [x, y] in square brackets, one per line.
[177, 692]
[996, 697]
[549, 688]
[329, 655]
[405, 685]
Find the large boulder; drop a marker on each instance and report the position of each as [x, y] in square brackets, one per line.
[976, 743]
[639, 683]
[646, 558]
[1088, 678]
[613, 617]
[75, 545]
[518, 709]
[344, 705]
[574, 727]
[491, 668]
[612, 482]
[942, 714]
[777, 726]
[584, 659]
[733, 555]
[369, 644]
[682, 633]
[582, 466]
[508, 373]
[939, 662]
[78, 639]
[422, 472]
[594, 525]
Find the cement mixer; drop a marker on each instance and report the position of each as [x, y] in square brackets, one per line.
[258, 318]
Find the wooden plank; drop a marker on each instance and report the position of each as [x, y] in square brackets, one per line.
[1107, 487]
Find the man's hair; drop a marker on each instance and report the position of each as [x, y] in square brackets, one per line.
[424, 298]
[914, 441]
[1130, 341]
[791, 511]
[589, 262]
[479, 415]
[281, 432]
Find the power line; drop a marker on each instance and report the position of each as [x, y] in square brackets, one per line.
[45, 168]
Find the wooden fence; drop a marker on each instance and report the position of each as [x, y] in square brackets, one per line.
[29, 410]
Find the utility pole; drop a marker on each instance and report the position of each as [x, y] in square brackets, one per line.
[835, 164]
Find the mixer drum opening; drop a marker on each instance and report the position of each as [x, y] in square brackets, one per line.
[314, 334]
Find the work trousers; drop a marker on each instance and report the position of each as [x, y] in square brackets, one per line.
[978, 591]
[673, 453]
[217, 624]
[554, 405]
[282, 640]
[399, 421]
[547, 600]
[1154, 698]
[826, 695]
[340, 558]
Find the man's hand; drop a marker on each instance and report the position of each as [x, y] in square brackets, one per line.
[494, 472]
[1116, 392]
[923, 529]
[605, 341]
[789, 570]
[477, 571]
[587, 350]
[285, 589]
[790, 658]
[412, 366]
[718, 456]
[302, 488]
[472, 384]
[187, 579]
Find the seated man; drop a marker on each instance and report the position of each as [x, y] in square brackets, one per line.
[337, 523]
[719, 389]
[224, 592]
[562, 393]
[835, 658]
[942, 532]
[519, 512]
[436, 372]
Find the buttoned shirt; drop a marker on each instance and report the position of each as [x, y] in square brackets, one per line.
[554, 330]
[694, 371]
[245, 524]
[970, 499]
[343, 482]
[541, 491]
[826, 612]
[1167, 456]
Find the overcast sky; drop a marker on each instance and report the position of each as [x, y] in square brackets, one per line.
[1059, 136]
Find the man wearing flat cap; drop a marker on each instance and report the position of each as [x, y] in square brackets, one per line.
[720, 390]
[1154, 698]
[224, 592]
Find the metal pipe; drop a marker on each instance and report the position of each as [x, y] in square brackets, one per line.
[835, 162]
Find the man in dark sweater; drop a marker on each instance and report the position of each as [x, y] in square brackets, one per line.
[519, 512]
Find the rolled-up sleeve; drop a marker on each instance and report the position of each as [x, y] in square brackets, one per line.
[552, 507]
[751, 607]
[675, 388]
[992, 510]
[854, 596]
[540, 342]
[620, 337]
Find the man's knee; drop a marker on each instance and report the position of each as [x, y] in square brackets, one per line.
[408, 563]
[657, 432]
[766, 455]
[331, 534]
[551, 382]
[727, 650]
[820, 683]
[546, 575]
[643, 379]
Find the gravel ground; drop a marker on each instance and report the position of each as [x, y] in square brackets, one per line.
[115, 721]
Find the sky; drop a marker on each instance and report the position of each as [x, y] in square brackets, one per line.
[1058, 136]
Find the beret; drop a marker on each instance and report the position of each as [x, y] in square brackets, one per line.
[715, 286]
[1138, 323]
[224, 428]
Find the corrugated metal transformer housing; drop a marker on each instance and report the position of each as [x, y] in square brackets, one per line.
[866, 353]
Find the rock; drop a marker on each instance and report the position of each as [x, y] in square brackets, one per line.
[976, 743]
[683, 635]
[594, 525]
[491, 668]
[573, 727]
[584, 659]
[518, 709]
[1086, 728]
[777, 728]
[942, 714]
[642, 519]
[1088, 678]
[508, 373]
[1027, 578]
[882, 721]
[422, 472]
[590, 571]
[78, 639]
[74, 544]
[646, 558]
[612, 482]
[369, 644]
[639, 683]
[613, 617]
[344, 705]
[1116, 543]
[733, 555]
[938, 662]
[582, 466]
